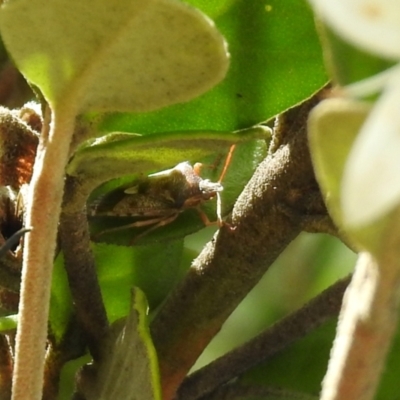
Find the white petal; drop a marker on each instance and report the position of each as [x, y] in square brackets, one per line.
[372, 25]
[371, 179]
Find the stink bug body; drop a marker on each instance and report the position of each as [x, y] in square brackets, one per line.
[158, 199]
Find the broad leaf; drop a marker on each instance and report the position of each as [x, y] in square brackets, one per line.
[120, 154]
[333, 128]
[276, 61]
[100, 55]
[8, 323]
[129, 367]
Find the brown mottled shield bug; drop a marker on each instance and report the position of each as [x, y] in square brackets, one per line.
[158, 199]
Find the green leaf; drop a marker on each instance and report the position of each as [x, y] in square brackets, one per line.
[299, 367]
[61, 307]
[129, 55]
[8, 323]
[129, 367]
[374, 163]
[333, 127]
[154, 269]
[276, 61]
[120, 154]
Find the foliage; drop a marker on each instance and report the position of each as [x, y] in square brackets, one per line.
[130, 90]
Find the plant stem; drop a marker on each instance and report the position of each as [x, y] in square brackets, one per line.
[83, 282]
[366, 326]
[235, 260]
[289, 329]
[5, 368]
[44, 205]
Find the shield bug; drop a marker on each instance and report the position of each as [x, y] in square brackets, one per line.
[157, 199]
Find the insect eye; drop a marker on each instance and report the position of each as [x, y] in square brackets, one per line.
[206, 186]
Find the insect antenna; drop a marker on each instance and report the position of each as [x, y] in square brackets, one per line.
[227, 162]
[219, 200]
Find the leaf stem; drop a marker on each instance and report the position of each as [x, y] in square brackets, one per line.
[44, 205]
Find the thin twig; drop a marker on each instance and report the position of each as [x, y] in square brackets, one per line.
[291, 328]
[81, 271]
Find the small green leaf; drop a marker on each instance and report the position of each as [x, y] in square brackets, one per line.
[130, 55]
[333, 128]
[119, 154]
[8, 323]
[154, 269]
[371, 185]
[129, 367]
[61, 307]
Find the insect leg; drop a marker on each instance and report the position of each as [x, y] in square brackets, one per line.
[227, 162]
[156, 222]
[206, 221]
[223, 173]
[161, 222]
[136, 224]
